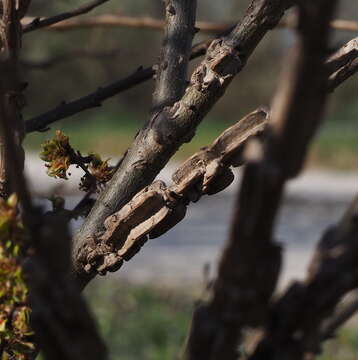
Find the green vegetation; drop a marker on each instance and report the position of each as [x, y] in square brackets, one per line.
[140, 322]
[110, 135]
[147, 322]
[344, 347]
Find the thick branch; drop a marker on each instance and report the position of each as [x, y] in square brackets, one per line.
[174, 58]
[146, 22]
[83, 9]
[244, 287]
[167, 131]
[158, 208]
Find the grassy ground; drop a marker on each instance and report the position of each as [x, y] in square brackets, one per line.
[140, 322]
[143, 322]
[335, 147]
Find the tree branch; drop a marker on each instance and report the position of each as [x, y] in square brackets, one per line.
[10, 96]
[37, 23]
[158, 208]
[243, 288]
[305, 305]
[174, 58]
[339, 318]
[345, 72]
[95, 99]
[146, 22]
[168, 130]
[347, 53]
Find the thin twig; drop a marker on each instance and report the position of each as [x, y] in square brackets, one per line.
[146, 22]
[95, 99]
[83, 9]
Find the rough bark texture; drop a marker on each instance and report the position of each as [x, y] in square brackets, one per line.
[250, 264]
[172, 70]
[42, 23]
[158, 208]
[295, 327]
[169, 129]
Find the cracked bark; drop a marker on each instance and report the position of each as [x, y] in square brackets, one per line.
[172, 69]
[243, 289]
[169, 129]
[158, 208]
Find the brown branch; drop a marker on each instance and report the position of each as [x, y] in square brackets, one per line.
[83, 9]
[168, 130]
[60, 318]
[146, 22]
[95, 99]
[192, 172]
[339, 318]
[344, 73]
[45, 64]
[41, 122]
[175, 52]
[158, 208]
[250, 264]
[11, 97]
[295, 326]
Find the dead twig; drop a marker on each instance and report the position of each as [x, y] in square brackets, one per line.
[146, 22]
[37, 23]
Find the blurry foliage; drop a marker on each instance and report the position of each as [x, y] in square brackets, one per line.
[57, 154]
[149, 322]
[16, 337]
[140, 322]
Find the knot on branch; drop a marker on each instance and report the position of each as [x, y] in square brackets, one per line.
[158, 207]
[221, 64]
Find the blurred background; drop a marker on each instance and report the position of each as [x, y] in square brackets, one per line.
[144, 310]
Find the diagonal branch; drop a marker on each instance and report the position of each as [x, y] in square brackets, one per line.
[168, 130]
[158, 208]
[83, 9]
[143, 220]
[339, 318]
[95, 99]
[146, 22]
[342, 74]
